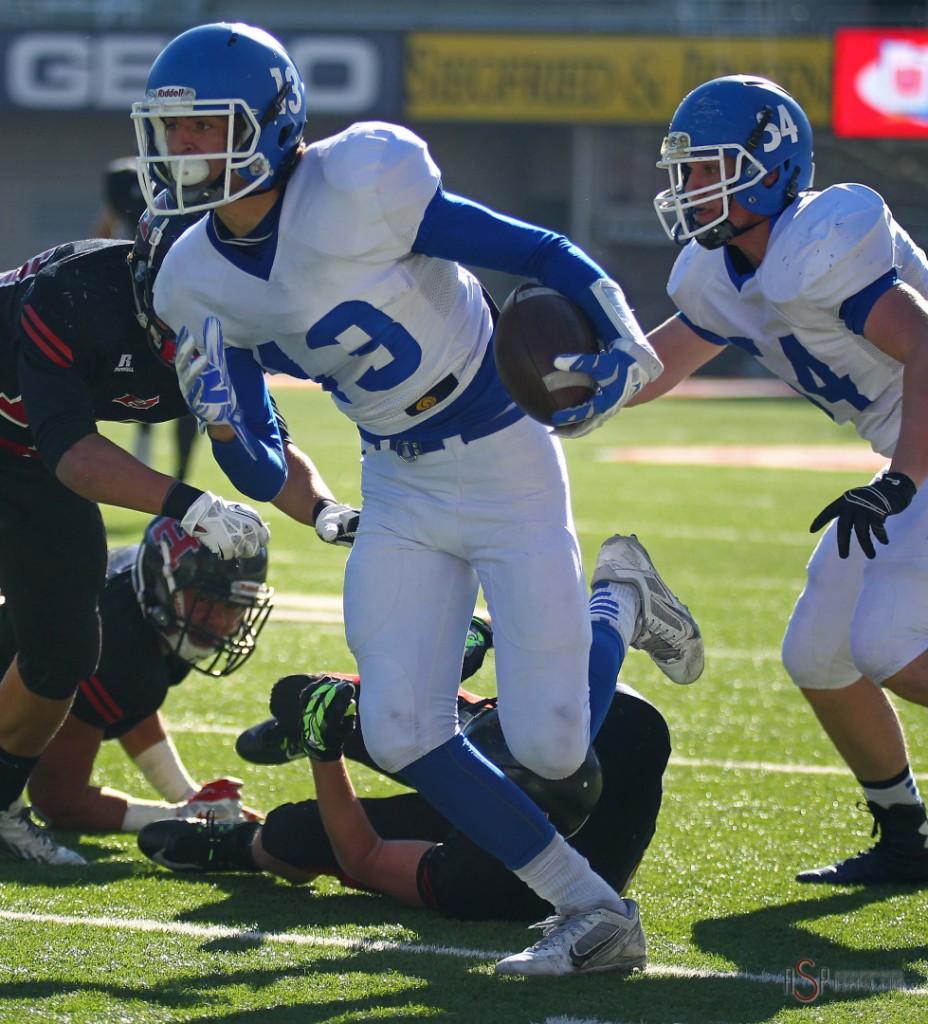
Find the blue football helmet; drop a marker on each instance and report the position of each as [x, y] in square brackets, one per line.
[156, 232]
[750, 127]
[233, 71]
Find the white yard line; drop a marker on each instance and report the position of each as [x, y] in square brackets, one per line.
[715, 764]
[244, 935]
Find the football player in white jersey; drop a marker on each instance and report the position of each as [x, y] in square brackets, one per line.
[828, 291]
[341, 261]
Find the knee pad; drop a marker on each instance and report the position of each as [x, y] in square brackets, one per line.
[553, 747]
[889, 628]
[57, 675]
[816, 659]
[294, 834]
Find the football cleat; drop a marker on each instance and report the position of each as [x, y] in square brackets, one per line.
[199, 845]
[221, 799]
[22, 838]
[597, 940]
[899, 857]
[667, 632]
[279, 739]
[269, 742]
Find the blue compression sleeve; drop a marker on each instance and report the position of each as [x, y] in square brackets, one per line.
[456, 228]
[478, 799]
[260, 479]
[607, 652]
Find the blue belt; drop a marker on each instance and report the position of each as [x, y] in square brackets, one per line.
[409, 450]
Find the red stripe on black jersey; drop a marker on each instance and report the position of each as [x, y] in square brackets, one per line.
[45, 338]
[22, 450]
[102, 701]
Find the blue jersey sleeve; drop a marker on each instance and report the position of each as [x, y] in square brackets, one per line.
[458, 229]
[259, 478]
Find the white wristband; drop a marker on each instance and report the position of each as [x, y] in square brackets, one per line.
[162, 767]
[140, 813]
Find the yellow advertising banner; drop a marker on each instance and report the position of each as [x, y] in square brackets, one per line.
[597, 79]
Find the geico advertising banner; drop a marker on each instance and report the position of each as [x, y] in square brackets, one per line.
[353, 75]
[602, 79]
[881, 83]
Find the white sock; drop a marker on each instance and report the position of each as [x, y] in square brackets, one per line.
[900, 790]
[563, 877]
[618, 605]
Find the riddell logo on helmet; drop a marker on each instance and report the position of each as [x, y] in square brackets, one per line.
[172, 92]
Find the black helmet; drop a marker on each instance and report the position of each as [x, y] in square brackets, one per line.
[567, 802]
[169, 562]
[155, 233]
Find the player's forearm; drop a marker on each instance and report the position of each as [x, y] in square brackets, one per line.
[304, 487]
[387, 866]
[911, 453]
[105, 810]
[101, 471]
[348, 827]
[146, 734]
[163, 769]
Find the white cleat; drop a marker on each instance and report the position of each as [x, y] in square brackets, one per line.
[596, 940]
[667, 632]
[22, 838]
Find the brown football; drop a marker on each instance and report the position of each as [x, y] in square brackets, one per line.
[535, 325]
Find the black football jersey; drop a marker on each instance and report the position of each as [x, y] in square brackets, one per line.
[72, 351]
[134, 674]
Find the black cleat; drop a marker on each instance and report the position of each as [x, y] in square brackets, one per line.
[900, 856]
[268, 743]
[199, 846]
[278, 740]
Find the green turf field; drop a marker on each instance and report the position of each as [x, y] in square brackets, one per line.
[753, 794]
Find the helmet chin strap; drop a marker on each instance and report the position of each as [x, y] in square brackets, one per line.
[720, 235]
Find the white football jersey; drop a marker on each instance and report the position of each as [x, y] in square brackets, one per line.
[341, 298]
[824, 249]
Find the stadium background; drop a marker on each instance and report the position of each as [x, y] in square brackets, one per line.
[550, 111]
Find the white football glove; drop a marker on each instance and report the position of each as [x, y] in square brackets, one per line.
[229, 529]
[203, 376]
[338, 524]
[621, 370]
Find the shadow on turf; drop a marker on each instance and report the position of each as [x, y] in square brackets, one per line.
[774, 940]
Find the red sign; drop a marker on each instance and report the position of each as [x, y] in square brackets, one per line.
[880, 83]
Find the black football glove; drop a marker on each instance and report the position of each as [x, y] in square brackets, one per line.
[865, 509]
[478, 641]
[329, 717]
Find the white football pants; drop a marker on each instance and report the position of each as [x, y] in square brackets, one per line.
[862, 617]
[494, 512]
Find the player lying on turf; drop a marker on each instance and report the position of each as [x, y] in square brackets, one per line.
[401, 846]
[169, 605]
